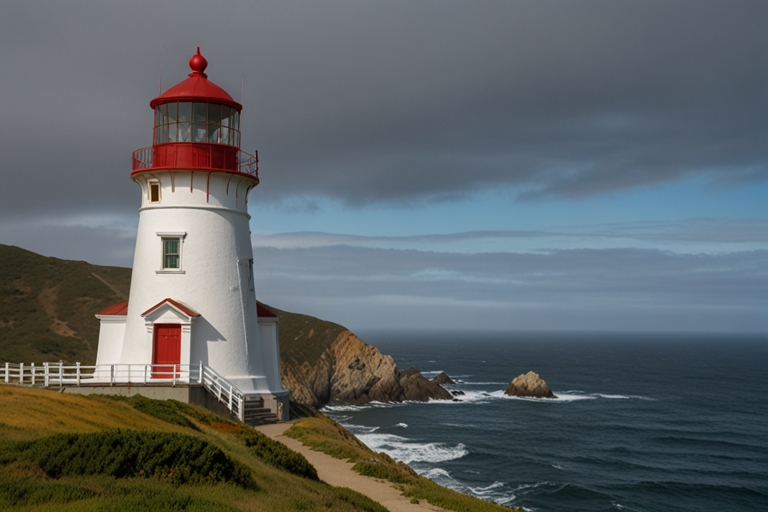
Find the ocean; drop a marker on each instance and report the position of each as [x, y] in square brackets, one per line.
[643, 422]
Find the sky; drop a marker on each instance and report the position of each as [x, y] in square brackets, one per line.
[515, 165]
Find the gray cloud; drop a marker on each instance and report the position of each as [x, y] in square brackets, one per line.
[627, 289]
[686, 235]
[395, 102]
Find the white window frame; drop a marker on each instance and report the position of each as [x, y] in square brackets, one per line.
[165, 235]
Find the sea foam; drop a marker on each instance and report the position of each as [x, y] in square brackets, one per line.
[408, 451]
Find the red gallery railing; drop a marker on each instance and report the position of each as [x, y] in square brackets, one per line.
[203, 158]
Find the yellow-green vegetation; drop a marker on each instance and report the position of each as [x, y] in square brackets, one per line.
[322, 434]
[47, 306]
[71, 452]
[304, 338]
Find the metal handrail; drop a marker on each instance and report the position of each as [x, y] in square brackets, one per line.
[60, 375]
[246, 163]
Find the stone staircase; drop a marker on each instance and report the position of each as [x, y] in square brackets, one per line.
[254, 412]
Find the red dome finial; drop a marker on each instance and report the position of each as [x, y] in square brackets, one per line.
[198, 64]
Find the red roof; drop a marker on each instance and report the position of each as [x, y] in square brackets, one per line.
[263, 312]
[185, 309]
[120, 309]
[197, 87]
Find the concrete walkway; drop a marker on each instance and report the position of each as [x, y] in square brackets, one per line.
[339, 473]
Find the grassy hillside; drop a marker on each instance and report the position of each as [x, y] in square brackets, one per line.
[72, 452]
[47, 308]
[304, 337]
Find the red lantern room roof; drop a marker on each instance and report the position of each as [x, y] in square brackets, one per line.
[197, 87]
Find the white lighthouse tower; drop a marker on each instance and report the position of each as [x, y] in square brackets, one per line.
[192, 312]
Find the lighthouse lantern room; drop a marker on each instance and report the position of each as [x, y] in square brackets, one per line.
[192, 312]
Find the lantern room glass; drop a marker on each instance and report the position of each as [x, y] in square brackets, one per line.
[187, 121]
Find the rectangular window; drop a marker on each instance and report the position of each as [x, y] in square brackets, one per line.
[171, 253]
[200, 112]
[172, 112]
[154, 192]
[185, 112]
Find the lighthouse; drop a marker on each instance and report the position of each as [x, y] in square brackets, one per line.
[192, 314]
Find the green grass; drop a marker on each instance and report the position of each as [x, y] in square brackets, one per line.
[304, 338]
[64, 452]
[325, 435]
[47, 306]
[165, 410]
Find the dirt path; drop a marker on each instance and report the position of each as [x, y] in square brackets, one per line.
[339, 473]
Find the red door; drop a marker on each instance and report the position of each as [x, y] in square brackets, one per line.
[166, 351]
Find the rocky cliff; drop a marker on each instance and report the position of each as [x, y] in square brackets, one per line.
[352, 372]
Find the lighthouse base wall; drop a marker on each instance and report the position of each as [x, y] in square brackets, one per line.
[195, 394]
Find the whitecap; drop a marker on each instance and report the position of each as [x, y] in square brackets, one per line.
[408, 451]
[403, 425]
[360, 429]
[496, 492]
[484, 491]
[345, 408]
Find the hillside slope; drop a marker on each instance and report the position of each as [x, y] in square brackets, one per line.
[47, 306]
[72, 452]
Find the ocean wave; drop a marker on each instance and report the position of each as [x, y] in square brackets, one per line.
[497, 492]
[359, 429]
[408, 451]
[355, 408]
[491, 383]
[402, 425]
[623, 397]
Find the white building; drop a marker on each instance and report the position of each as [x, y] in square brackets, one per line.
[192, 303]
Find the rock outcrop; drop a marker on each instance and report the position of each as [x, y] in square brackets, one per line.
[352, 372]
[529, 384]
[443, 378]
[418, 388]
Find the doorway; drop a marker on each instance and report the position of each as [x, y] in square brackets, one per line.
[166, 351]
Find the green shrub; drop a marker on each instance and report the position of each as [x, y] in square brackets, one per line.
[177, 458]
[165, 410]
[277, 454]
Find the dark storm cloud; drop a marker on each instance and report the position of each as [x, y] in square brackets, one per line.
[392, 101]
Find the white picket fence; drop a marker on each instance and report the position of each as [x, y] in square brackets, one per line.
[60, 375]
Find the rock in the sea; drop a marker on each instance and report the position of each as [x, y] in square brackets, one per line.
[352, 372]
[443, 378]
[410, 371]
[529, 384]
[418, 388]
